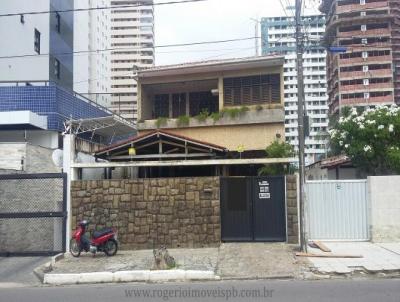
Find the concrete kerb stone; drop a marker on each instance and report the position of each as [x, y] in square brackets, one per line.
[97, 277]
[61, 279]
[167, 275]
[57, 258]
[200, 275]
[129, 276]
[132, 276]
[41, 270]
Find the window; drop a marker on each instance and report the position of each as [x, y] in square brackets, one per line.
[36, 42]
[58, 22]
[57, 68]
[252, 90]
[178, 104]
[161, 105]
[202, 101]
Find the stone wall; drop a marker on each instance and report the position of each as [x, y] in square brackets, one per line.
[176, 212]
[292, 209]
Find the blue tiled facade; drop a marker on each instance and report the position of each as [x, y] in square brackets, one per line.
[52, 101]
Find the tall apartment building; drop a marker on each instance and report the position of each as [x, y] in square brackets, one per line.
[368, 72]
[278, 37]
[43, 42]
[132, 41]
[92, 65]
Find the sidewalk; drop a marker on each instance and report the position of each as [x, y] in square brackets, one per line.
[229, 261]
[187, 259]
[259, 261]
[377, 258]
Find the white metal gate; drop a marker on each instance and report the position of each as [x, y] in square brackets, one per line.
[337, 210]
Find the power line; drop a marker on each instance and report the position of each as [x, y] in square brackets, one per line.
[131, 48]
[209, 50]
[98, 8]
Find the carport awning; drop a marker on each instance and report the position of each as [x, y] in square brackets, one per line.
[108, 126]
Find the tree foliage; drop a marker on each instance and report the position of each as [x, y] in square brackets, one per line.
[277, 150]
[370, 138]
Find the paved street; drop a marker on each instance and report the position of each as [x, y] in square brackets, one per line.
[329, 290]
[18, 271]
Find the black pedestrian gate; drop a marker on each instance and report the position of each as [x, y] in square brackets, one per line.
[32, 214]
[253, 208]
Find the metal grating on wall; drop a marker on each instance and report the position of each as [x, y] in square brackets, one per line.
[337, 210]
[32, 214]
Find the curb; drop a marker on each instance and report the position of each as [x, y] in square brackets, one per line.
[129, 276]
[41, 270]
[272, 277]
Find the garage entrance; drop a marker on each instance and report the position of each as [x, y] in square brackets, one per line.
[253, 208]
[32, 214]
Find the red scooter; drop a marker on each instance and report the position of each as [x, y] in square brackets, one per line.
[104, 240]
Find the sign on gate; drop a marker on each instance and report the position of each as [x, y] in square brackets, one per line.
[264, 190]
[337, 210]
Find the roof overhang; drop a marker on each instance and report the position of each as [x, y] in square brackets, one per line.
[22, 120]
[180, 163]
[159, 144]
[212, 66]
[109, 126]
[335, 161]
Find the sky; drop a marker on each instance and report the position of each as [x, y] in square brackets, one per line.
[212, 20]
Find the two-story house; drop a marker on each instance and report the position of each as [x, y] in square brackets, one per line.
[226, 110]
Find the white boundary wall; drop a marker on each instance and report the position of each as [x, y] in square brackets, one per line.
[384, 193]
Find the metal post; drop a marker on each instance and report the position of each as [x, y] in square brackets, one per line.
[256, 30]
[68, 159]
[256, 38]
[300, 119]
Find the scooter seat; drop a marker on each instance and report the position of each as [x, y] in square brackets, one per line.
[102, 232]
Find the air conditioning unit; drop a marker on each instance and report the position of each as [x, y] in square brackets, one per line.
[366, 95]
[363, 27]
[362, 2]
[365, 68]
[366, 82]
[365, 54]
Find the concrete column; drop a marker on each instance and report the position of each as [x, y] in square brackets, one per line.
[170, 105]
[187, 104]
[72, 174]
[221, 92]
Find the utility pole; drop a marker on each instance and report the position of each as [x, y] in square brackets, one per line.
[256, 38]
[300, 119]
[256, 30]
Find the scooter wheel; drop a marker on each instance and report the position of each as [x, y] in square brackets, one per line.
[74, 248]
[111, 247]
